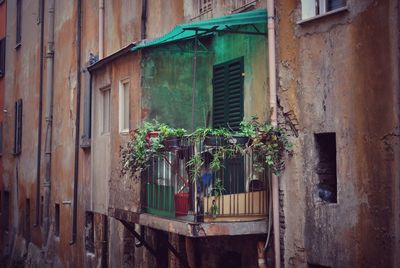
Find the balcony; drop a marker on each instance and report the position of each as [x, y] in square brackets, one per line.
[235, 193]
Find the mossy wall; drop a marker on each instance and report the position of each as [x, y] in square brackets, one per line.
[167, 78]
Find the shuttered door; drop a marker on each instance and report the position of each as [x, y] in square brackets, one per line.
[228, 112]
[228, 94]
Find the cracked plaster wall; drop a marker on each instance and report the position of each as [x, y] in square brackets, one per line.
[340, 74]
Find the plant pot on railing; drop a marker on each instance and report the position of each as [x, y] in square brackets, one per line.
[240, 140]
[172, 143]
[181, 204]
[152, 135]
[211, 140]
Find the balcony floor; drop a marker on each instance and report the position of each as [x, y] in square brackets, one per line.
[192, 229]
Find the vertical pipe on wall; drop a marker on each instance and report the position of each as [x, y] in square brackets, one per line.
[49, 120]
[77, 121]
[101, 29]
[40, 112]
[274, 121]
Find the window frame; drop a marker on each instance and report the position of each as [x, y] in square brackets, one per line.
[18, 24]
[320, 9]
[2, 57]
[18, 127]
[103, 130]
[122, 113]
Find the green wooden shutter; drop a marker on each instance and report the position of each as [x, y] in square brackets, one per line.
[228, 111]
[228, 94]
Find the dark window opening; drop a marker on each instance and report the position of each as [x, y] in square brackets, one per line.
[18, 24]
[27, 220]
[1, 138]
[18, 127]
[326, 166]
[334, 4]
[5, 210]
[89, 231]
[2, 57]
[57, 220]
[41, 210]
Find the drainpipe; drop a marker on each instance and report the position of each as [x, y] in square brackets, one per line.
[77, 121]
[40, 112]
[49, 119]
[274, 122]
[101, 29]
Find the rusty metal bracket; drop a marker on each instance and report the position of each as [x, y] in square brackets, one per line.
[139, 237]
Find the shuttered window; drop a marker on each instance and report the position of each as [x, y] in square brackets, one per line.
[228, 94]
[2, 56]
[18, 127]
[228, 112]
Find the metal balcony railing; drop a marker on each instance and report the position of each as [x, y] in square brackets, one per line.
[171, 193]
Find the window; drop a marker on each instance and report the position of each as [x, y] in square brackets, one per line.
[89, 231]
[2, 57]
[106, 110]
[87, 110]
[57, 220]
[19, 18]
[124, 106]
[205, 6]
[228, 94]
[27, 220]
[326, 166]
[312, 8]
[18, 127]
[1, 138]
[41, 210]
[228, 111]
[5, 210]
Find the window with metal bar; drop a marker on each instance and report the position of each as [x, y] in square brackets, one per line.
[18, 127]
[2, 57]
[18, 23]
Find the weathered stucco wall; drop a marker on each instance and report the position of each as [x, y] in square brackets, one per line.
[340, 74]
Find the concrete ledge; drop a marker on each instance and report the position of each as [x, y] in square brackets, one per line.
[192, 229]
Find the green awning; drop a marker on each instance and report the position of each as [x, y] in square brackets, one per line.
[203, 27]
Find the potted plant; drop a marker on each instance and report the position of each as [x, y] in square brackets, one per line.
[171, 137]
[217, 137]
[141, 147]
[269, 145]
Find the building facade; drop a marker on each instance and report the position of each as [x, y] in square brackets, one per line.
[80, 76]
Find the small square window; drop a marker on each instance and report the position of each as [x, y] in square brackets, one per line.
[312, 8]
[124, 106]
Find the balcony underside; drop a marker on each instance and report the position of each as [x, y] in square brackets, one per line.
[254, 225]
